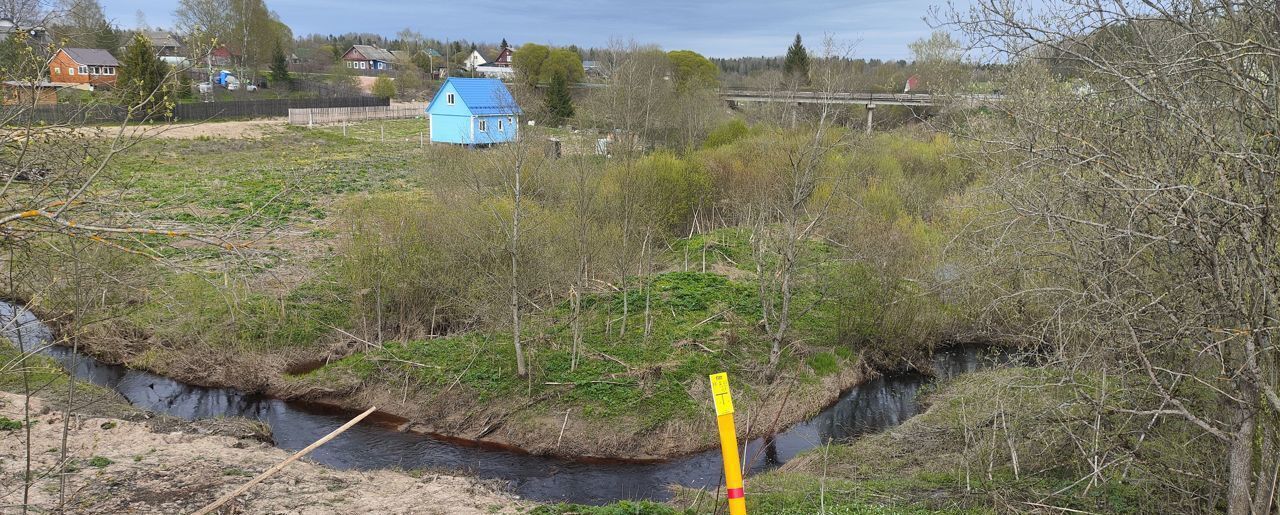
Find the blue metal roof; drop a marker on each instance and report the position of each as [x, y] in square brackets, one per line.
[482, 96]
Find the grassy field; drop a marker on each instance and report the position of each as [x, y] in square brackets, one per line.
[279, 314]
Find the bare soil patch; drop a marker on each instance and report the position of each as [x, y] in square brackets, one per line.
[137, 470]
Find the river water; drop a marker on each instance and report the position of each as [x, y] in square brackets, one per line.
[869, 407]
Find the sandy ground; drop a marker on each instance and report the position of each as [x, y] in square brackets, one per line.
[242, 129]
[177, 472]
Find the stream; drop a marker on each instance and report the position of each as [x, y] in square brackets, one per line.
[871, 406]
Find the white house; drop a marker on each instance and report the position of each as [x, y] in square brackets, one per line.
[474, 60]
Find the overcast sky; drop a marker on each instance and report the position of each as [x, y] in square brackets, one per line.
[718, 28]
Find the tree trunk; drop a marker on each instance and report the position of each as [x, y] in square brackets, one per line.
[515, 276]
[575, 300]
[1240, 456]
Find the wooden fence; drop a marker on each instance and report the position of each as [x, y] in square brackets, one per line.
[319, 116]
[190, 112]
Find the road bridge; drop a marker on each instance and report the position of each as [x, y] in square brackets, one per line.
[870, 100]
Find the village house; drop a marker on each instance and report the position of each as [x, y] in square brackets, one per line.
[221, 56]
[474, 60]
[91, 66]
[369, 58]
[473, 112]
[165, 43]
[37, 37]
[504, 57]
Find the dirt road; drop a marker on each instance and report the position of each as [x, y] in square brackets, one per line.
[124, 467]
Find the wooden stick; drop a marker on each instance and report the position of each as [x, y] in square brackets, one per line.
[280, 466]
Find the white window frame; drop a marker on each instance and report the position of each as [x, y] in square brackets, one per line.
[483, 125]
[57, 70]
[84, 70]
[449, 99]
[71, 71]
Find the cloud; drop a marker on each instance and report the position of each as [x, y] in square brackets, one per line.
[720, 28]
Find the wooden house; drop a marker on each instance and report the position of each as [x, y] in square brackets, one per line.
[369, 58]
[91, 66]
[504, 58]
[473, 112]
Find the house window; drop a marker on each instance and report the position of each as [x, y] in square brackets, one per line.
[84, 70]
[484, 126]
[71, 71]
[111, 71]
[449, 99]
[57, 70]
[499, 125]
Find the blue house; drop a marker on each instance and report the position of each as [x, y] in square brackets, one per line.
[473, 112]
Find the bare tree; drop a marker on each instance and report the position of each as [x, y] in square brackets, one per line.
[1135, 155]
[787, 212]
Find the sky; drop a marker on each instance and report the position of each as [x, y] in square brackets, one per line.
[717, 28]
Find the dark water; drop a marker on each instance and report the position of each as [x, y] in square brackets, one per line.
[870, 407]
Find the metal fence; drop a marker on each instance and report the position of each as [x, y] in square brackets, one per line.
[323, 115]
[193, 112]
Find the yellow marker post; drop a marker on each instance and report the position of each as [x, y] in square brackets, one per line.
[728, 443]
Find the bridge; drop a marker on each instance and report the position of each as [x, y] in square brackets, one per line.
[870, 100]
[822, 97]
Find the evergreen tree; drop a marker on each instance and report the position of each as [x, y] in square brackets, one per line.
[504, 44]
[106, 38]
[279, 66]
[558, 102]
[141, 80]
[796, 64]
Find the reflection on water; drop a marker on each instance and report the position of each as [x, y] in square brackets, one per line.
[875, 405]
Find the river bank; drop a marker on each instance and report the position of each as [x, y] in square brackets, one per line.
[122, 466]
[381, 442]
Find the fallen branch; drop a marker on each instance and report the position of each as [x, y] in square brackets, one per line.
[710, 318]
[280, 466]
[576, 383]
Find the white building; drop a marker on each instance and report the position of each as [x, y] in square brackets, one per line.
[474, 60]
[495, 72]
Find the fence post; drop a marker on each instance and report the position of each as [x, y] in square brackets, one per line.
[310, 120]
[344, 127]
[419, 139]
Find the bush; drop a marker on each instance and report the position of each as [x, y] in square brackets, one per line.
[726, 133]
[384, 87]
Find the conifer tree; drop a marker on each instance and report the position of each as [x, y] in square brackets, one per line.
[796, 64]
[279, 66]
[142, 74]
[558, 102]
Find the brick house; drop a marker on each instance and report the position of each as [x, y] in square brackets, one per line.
[83, 66]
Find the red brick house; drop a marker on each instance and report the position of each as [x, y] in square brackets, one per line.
[90, 66]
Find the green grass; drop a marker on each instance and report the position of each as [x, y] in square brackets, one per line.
[7, 424]
[617, 374]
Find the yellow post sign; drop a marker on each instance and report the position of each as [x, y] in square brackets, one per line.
[728, 444]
